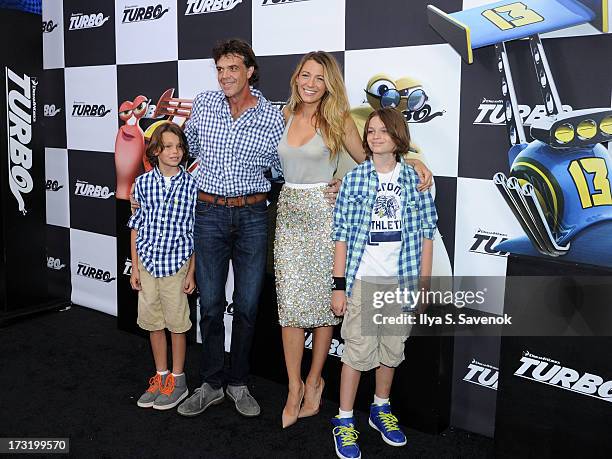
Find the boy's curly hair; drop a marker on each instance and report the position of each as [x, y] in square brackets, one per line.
[156, 144]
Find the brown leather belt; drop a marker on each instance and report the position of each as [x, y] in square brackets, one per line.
[235, 201]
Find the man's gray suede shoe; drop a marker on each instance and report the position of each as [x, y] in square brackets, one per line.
[245, 403]
[202, 398]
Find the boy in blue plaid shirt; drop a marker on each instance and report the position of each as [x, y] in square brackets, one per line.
[383, 231]
[163, 264]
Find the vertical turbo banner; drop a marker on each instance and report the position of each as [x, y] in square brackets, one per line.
[23, 284]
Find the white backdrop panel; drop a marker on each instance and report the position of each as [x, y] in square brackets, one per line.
[483, 220]
[195, 76]
[58, 190]
[93, 263]
[438, 69]
[53, 34]
[91, 101]
[145, 32]
[297, 27]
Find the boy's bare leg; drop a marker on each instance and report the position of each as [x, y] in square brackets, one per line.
[159, 348]
[349, 382]
[179, 345]
[384, 379]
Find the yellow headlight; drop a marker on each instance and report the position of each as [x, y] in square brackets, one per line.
[587, 129]
[564, 133]
[606, 125]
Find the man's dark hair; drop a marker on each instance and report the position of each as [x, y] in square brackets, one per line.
[240, 48]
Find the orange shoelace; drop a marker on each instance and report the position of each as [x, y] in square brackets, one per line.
[154, 383]
[168, 386]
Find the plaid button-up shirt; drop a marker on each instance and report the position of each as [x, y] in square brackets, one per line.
[164, 221]
[234, 154]
[353, 213]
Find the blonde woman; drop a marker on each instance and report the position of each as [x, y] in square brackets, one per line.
[318, 128]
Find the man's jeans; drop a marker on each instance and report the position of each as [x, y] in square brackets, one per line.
[220, 234]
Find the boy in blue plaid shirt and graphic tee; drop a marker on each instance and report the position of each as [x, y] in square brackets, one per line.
[383, 231]
[163, 264]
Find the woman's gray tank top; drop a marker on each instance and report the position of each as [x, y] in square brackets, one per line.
[309, 163]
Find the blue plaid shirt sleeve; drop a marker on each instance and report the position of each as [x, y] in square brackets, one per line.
[191, 129]
[135, 220]
[340, 211]
[429, 215]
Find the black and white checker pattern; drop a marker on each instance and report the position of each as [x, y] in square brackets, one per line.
[101, 53]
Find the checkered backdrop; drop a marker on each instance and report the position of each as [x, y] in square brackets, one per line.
[100, 53]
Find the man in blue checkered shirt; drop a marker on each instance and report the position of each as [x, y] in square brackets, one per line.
[234, 133]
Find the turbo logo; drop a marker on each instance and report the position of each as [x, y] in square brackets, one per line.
[48, 26]
[336, 348]
[280, 2]
[55, 263]
[81, 109]
[91, 272]
[484, 241]
[20, 99]
[491, 113]
[142, 13]
[49, 110]
[551, 372]
[53, 185]
[487, 374]
[83, 188]
[209, 6]
[87, 21]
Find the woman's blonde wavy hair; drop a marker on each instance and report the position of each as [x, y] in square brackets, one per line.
[333, 107]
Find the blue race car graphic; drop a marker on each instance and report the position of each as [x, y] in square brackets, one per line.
[558, 186]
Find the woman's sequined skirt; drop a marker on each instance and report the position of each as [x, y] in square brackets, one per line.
[303, 257]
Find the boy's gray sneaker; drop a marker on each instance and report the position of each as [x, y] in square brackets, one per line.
[245, 403]
[155, 384]
[172, 392]
[202, 398]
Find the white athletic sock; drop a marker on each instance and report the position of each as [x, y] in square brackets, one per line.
[175, 375]
[345, 414]
[165, 372]
[380, 401]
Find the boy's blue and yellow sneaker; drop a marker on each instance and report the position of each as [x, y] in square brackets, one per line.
[383, 420]
[345, 438]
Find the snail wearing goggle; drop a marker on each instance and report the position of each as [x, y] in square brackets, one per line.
[403, 94]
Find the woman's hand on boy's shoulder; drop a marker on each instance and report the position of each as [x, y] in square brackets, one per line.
[331, 192]
[425, 175]
[338, 302]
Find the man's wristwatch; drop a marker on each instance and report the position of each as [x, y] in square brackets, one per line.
[338, 283]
